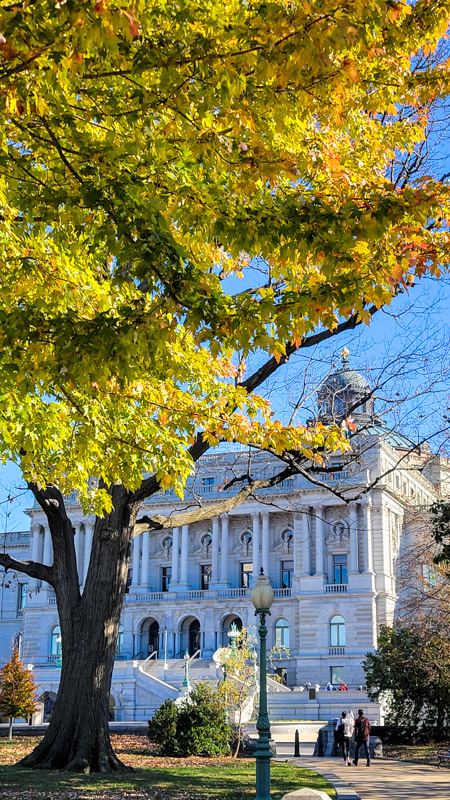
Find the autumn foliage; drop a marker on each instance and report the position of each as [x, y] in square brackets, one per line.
[17, 689]
[153, 156]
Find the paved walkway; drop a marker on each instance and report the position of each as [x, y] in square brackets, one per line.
[386, 779]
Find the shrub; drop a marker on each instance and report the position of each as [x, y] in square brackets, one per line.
[195, 727]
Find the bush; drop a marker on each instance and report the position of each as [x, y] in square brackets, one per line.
[196, 727]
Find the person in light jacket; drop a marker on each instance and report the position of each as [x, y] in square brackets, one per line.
[344, 732]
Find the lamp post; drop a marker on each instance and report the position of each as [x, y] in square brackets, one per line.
[185, 683]
[262, 599]
[166, 666]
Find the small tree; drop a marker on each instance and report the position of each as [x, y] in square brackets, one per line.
[411, 670]
[239, 665]
[17, 691]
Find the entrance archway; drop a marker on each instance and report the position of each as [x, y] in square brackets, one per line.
[190, 636]
[231, 619]
[148, 637]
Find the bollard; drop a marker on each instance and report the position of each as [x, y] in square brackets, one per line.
[297, 745]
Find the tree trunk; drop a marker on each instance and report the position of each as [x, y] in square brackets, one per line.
[10, 728]
[77, 738]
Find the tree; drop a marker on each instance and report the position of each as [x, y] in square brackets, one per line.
[17, 691]
[239, 685]
[153, 156]
[410, 670]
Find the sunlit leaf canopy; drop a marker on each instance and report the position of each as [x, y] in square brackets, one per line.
[152, 151]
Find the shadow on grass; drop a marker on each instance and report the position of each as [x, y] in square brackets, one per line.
[229, 781]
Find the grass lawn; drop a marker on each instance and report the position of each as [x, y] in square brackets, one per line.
[155, 777]
[419, 753]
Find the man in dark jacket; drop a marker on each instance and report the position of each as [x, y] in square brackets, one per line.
[362, 736]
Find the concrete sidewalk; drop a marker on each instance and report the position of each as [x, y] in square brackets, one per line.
[385, 779]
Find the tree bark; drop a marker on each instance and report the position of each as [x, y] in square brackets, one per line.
[77, 738]
[10, 729]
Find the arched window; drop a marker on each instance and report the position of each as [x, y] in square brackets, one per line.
[287, 536]
[337, 631]
[119, 646]
[206, 541]
[282, 633]
[246, 538]
[55, 641]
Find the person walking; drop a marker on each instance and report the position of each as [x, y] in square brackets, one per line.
[362, 736]
[344, 732]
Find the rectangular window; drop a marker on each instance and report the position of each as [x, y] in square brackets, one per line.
[166, 574]
[287, 571]
[207, 485]
[206, 575]
[336, 675]
[429, 574]
[340, 571]
[22, 596]
[246, 572]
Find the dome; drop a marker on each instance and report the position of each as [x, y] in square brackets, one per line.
[348, 380]
[345, 392]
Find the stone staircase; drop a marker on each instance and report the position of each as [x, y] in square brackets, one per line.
[200, 669]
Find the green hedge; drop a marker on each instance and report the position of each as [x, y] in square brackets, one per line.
[195, 727]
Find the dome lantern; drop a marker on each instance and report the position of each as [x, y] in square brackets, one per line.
[345, 392]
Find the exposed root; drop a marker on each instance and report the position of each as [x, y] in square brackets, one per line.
[101, 759]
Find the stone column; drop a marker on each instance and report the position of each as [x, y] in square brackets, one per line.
[368, 535]
[145, 558]
[184, 557]
[297, 532]
[255, 547]
[265, 544]
[35, 531]
[224, 551]
[175, 559]
[47, 557]
[321, 528]
[215, 552]
[135, 561]
[353, 565]
[88, 534]
[306, 556]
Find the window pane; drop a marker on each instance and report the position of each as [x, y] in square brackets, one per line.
[246, 572]
[282, 633]
[206, 575]
[337, 675]
[166, 574]
[287, 571]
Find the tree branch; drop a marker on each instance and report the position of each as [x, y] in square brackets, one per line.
[160, 522]
[32, 568]
[151, 485]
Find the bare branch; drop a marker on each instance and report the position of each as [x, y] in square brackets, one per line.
[32, 568]
[159, 522]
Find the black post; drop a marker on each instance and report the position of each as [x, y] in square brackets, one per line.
[263, 753]
[297, 745]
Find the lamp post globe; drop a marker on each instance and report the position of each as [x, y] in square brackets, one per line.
[262, 598]
[262, 594]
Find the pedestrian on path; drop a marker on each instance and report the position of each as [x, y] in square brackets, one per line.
[362, 736]
[344, 732]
